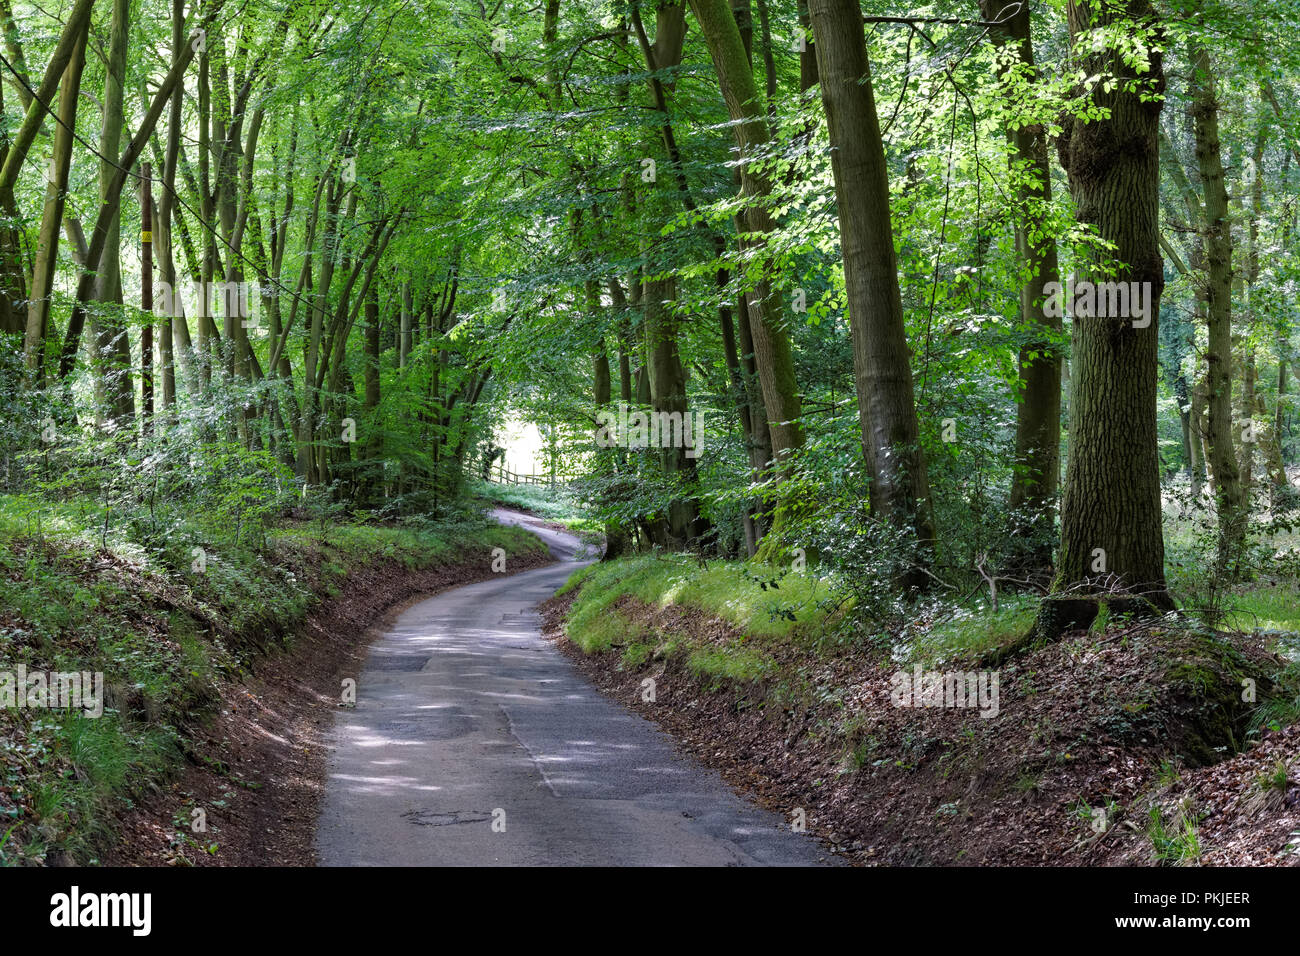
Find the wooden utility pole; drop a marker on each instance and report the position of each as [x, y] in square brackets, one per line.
[146, 296]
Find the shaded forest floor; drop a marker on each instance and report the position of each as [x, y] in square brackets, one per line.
[1124, 745]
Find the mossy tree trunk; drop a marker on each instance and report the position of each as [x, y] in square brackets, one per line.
[772, 351]
[1229, 495]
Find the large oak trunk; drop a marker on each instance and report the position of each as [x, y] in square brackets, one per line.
[1111, 534]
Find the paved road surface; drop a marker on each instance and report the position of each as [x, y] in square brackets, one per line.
[463, 710]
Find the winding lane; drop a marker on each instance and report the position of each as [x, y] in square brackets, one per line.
[475, 742]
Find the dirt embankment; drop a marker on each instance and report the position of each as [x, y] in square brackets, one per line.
[256, 769]
[1103, 748]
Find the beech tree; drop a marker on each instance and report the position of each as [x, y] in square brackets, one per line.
[772, 351]
[890, 433]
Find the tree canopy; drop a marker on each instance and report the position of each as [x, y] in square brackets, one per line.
[873, 258]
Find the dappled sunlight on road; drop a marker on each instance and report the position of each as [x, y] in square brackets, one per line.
[473, 741]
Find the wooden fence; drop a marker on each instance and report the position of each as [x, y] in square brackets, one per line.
[504, 476]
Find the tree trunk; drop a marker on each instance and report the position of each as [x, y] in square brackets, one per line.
[113, 349]
[146, 299]
[73, 36]
[85, 284]
[1189, 413]
[1230, 500]
[1036, 478]
[772, 350]
[13, 268]
[807, 50]
[667, 382]
[1199, 428]
[881, 358]
[370, 377]
[404, 332]
[616, 542]
[47, 245]
[175, 337]
[1111, 533]
[668, 400]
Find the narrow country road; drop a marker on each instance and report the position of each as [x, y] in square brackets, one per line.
[465, 715]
